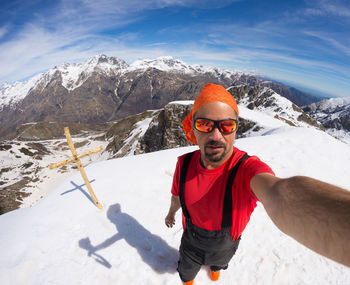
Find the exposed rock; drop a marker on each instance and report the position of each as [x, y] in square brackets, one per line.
[122, 134]
[296, 96]
[165, 130]
[4, 146]
[332, 113]
[11, 196]
[285, 120]
[245, 126]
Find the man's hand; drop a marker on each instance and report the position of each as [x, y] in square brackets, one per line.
[170, 220]
[174, 206]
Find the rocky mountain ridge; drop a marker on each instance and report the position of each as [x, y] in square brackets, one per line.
[334, 115]
[265, 99]
[105, 88]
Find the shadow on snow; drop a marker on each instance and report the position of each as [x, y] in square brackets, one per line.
[152, 249]
[80, 188]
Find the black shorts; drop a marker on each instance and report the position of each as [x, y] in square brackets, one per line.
[202, 247]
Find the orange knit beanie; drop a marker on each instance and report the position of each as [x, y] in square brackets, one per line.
[210, 92]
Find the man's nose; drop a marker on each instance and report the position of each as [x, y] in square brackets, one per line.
[215, 134]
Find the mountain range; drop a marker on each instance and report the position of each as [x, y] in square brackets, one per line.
[106, 88]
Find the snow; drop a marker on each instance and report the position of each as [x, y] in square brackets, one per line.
[165, 63]
[74, 75]
[65, 239]
[264, 119]
[168, 63]
[11, 94]
[332, 103]
[341, 135]
[183, 102]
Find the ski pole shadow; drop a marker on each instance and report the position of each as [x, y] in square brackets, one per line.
[86, 244]
[153, 250]
[80, 188]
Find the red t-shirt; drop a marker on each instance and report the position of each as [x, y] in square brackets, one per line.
[205, 190]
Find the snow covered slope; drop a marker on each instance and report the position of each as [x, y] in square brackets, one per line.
[65, 239]
[267, 101]
[10, 94]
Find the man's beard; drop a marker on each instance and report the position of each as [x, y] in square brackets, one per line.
[215, 157]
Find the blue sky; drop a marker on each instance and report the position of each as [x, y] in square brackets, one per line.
[303, 43]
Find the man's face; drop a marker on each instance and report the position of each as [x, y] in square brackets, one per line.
[215, 147]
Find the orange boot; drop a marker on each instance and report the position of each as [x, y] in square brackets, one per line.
[214, 275]
[189, 282]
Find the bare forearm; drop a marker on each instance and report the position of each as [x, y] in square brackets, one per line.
[314, 213]
[174, 206]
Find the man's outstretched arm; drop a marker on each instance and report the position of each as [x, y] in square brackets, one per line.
[174, 206]
[314, 213]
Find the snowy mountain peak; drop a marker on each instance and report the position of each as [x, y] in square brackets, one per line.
[164, 63]
[103, 60]
[74, 75]
[10, 94]
[170, 64]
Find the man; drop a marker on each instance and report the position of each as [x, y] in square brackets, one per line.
[218, 187]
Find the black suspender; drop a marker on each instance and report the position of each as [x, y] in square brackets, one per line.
[227, 207]
[183, 172]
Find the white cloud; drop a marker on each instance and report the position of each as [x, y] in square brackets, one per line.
[337, 9]
[333, 42]
[3, 31]
[328, 8]
[103, 9]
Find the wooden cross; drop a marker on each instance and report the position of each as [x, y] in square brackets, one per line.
[76, 159]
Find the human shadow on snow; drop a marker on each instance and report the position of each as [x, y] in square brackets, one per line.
[152, 249]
